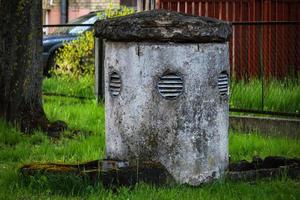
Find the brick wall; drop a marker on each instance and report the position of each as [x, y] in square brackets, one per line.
[77, 8]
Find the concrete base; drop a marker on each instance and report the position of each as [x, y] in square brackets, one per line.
[268, 126]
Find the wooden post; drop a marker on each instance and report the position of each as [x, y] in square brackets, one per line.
[99, 69]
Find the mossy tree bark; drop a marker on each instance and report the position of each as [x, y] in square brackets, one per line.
[21, 64]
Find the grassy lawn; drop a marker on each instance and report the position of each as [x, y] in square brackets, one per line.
[280, 96]
[17, 149]
[83, 87]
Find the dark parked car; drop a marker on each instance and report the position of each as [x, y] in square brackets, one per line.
[57, 38]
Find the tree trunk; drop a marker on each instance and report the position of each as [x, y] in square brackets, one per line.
[21, 64]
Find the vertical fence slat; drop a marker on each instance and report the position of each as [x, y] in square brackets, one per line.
[196, 8]
[297, 38]
[182, 6]
[233, 44]
[206, 9]
[273, 50]
[189, 7]
[173, 6]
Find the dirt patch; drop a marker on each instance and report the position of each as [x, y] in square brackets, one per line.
[115, 173]
[270, 167]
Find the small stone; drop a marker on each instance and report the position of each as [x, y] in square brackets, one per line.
[257, 162]
[56, 128]
[274, 161]
[242, 165]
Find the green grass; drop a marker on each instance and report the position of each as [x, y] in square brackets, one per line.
[280, 96]
[83, 87]
[245, 146]
[17, 149]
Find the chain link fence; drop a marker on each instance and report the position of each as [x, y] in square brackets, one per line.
[265, 67]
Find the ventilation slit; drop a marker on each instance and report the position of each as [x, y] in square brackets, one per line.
[223, 83]
[170, 85]
[115, 84]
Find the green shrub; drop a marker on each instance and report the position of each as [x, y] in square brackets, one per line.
[76, 58]
[111, 12]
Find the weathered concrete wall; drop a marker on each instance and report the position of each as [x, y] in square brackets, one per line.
[188, 135]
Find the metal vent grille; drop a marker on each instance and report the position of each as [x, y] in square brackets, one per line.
[115, 84]
[170, 86]
[223, 83]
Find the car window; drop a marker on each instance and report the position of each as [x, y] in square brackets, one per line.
[81, 29]
[86, 19]
[82, 19]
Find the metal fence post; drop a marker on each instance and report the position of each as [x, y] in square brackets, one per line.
[99, 69]
[152, 4]
[261, 66]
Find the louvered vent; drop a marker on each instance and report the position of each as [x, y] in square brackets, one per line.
[223, 83]
[170, 85]
[115, 84]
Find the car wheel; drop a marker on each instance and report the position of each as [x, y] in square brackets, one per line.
[51, 64]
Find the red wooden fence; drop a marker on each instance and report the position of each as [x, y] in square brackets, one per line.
[266, 48]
